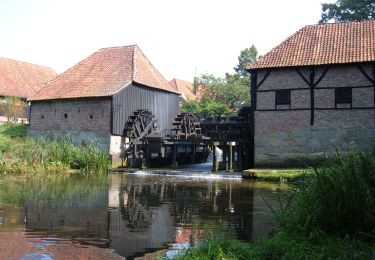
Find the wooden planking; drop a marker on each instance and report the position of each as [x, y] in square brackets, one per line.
[164, 105]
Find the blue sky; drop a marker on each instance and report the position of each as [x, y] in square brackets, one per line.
[182, 38]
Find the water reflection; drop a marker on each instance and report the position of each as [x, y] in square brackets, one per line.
[133, 214]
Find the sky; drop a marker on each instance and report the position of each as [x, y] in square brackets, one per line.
[181, 38]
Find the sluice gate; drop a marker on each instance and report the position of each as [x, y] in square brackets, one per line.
[190, 141]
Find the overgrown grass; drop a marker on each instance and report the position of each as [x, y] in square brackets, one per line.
[282, 246]
[278, 175]
[21, 154]
[10, 134]
[62, 152]
[338, 199]
[331, 215]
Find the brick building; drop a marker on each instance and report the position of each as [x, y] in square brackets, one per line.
[314, 93]
[93, 100]
[21, 80]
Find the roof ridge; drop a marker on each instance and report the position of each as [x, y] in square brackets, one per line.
[152, 65]
[118, 47]
[336, 23]
[345, 22]
[28, 63]
[134, 60]
[306, 42]
[176, 84]
[279, 45]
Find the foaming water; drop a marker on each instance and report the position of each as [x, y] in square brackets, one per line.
[196, 171]
[190, 175]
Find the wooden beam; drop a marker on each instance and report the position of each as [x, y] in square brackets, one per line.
[321, 77]
[312, 95]
[264, 78]
[303, 77]
[254, 85]
[312, 83]
[372, 80]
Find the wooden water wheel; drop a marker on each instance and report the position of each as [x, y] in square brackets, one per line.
[140, 124]
[186, 126]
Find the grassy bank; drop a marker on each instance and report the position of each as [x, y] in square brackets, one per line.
[20, 154]
[288, 175]
[331, 215]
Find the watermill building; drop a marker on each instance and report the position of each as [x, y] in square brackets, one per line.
[93, 100]
[314, 93]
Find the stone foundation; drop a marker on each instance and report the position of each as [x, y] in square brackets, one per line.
[307, 147]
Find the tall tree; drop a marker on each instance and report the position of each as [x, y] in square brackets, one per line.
[247, 56]
[223, 95]
[348, 10]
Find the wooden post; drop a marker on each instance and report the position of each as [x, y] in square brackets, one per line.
[194, 148]
[230, 158]
[225, 153]
[312, 95]
[239, 156]
[250, 150]
[174, 156]
[214, 159]
[135, 154]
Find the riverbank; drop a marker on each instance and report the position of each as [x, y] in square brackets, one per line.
[276, 175]
[19, 154]
[329, 216]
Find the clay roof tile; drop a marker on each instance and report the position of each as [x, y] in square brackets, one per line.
[334, 43]
[103, 74]
[21, 79]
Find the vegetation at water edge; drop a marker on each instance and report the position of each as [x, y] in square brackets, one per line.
[20, 154]
[331, 215]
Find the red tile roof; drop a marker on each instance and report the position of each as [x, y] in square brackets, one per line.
[334, 43]
[21, 79]
[103, 74]
[186, 88]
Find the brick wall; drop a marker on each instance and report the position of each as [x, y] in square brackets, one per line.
[93, 115]
[286, 136]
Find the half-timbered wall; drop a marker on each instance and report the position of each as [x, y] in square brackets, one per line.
[313, 124]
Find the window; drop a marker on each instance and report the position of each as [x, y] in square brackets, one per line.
[282, 98]
[343, 96]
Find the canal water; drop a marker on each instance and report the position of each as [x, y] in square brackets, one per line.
[128, 215]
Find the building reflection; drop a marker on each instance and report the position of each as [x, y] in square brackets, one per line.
[134, 215]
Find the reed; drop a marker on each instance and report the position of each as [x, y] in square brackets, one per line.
[338, 199]
[59, 154]
[330, 215]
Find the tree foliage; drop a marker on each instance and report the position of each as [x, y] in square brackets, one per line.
[13, 108]
[348, 10]
[223, 95]
[247, 56]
